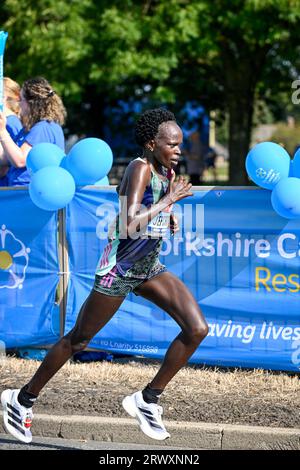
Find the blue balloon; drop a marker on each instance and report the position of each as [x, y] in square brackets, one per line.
[285, 198]
[64, 163]
[43, 154]
[103, 182]
[292, 172]
[89, 160]
[51, 188]
[267, 163]
[296, 164]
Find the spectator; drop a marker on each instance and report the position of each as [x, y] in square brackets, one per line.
[11, 109]
[42, 115]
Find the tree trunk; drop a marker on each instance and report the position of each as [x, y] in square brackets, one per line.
[241, 74]
[240, 109]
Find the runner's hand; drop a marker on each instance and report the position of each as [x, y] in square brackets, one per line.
[179, 189]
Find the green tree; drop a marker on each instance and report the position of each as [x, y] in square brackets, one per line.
[222, 53]
[49, 38]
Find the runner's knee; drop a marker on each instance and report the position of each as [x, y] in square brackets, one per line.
[196, 333]
[77, 341]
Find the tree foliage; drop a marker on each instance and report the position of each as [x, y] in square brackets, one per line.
[49, 38]
[225, 54]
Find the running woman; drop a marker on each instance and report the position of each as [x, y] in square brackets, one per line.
[130, 263]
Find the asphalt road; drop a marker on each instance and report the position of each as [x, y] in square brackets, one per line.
[46, 443]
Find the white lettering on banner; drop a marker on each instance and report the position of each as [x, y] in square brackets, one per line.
[230, 247]
[191, 247]
[167, 247]
[224, 242]
[221, 246]
[208, 244]
[229, 330]
[287, 333]
[246, 333]
[133, 347]
[280, 245]
[193, 243]
[262, 248]
[176, 244]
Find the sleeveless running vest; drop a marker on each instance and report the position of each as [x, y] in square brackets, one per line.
[123, 253]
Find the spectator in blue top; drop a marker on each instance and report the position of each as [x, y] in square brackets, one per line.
[42, 115]
[11, 109]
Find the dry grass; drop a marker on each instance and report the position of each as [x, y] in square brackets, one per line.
[235, 396]
[190, 381]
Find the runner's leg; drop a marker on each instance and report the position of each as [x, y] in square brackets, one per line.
[96, 311]
[170, 294]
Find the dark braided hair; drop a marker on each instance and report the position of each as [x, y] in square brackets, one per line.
[146, 127]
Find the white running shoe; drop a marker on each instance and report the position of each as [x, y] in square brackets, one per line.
[17, 418]
[148, 415]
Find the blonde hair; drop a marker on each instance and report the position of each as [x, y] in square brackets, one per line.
[12, 94]
[43, 102]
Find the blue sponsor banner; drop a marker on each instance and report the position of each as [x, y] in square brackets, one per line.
[28, 271]
[237, 256]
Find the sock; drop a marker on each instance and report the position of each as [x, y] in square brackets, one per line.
[25, 398]
[151, 395]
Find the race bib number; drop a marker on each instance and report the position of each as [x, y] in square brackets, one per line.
[159, 225]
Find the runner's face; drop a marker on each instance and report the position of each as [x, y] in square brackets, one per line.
[166, 145]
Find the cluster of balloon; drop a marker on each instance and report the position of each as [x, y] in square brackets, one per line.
[54, 175]
[269, 166]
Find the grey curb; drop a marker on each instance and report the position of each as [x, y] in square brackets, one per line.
[188, 435]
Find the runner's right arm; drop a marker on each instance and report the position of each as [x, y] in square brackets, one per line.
[136, 179]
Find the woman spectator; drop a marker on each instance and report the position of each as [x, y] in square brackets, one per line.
[42, 115]
[11, 109]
